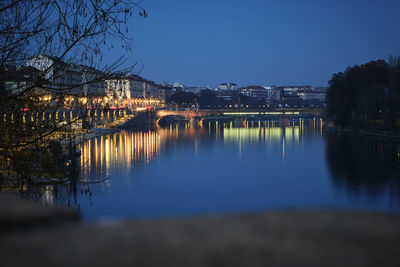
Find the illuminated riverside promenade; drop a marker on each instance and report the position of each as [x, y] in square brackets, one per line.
[76, 119]
[84, 112]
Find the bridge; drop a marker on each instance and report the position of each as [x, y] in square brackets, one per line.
[192, 114]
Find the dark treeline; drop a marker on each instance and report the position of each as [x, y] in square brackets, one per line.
[366, 96]
[207, 98]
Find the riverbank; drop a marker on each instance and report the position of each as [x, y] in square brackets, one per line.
[113, 127]
[359, 131]
[90, 134]
[282, 238]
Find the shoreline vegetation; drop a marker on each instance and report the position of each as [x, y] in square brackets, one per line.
[362, 131]
[365, 99]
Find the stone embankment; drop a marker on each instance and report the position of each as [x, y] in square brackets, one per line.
[32, 235]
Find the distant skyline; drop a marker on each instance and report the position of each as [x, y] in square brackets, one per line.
[280, 42]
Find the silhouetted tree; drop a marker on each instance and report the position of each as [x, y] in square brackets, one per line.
[207, 98]
[73, 31]
[183, 99]
[365, 95]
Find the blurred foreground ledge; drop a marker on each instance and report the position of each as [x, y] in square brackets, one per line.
[48, 236]
[21, 214]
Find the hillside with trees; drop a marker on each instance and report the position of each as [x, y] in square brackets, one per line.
[366, 96]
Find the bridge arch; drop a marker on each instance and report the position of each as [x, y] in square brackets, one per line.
[243, 114]
[170, 119]
[188, 114]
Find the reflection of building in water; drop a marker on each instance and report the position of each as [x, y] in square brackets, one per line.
[48, 195]
[273, 131]
[118, 151]
[287, 132]
[262, 134]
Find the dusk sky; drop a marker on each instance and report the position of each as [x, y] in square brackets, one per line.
[271, 42]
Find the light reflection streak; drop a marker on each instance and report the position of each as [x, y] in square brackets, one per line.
[272, 132]
[118, 150]
[125, 150]
[283, 147]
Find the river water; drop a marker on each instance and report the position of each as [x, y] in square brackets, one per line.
[223, 168]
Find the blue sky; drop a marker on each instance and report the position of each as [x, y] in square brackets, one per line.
[278, 42]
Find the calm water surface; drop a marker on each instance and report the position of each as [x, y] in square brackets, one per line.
[226, 168]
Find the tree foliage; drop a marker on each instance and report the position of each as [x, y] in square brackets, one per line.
[183, 99]
[207, 98]
[77, 32]
[366, 95]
